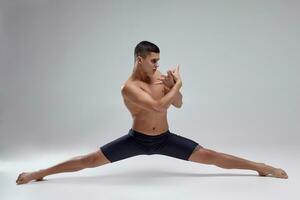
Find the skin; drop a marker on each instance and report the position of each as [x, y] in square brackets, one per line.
[148, 94]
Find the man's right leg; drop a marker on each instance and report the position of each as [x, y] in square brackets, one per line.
[77, 163]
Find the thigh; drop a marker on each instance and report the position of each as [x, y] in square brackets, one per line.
[121, 148]
[179, 147]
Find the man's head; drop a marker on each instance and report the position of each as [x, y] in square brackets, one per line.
[146, 56]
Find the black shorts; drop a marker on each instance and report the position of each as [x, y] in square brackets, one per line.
[135, 143]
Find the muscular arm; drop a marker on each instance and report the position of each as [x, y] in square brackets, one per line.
[177, 101]
[139, 97]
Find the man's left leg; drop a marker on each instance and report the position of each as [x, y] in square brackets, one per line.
[226, 161]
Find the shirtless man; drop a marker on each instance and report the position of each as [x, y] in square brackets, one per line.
[148, 94]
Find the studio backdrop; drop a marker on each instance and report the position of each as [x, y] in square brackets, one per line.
[62, 64]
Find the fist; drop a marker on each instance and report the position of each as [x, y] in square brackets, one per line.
[168, 80]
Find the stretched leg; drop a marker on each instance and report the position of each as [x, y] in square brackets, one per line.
[77, 163]
[226, 161]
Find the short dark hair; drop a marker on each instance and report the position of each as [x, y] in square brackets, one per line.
[144, 48]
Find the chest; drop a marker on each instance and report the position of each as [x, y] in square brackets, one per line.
[156, 91]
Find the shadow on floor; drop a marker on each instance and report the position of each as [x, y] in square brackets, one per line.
[134, 177]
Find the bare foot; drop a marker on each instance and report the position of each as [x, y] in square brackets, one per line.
[26, 177]
[266, 170]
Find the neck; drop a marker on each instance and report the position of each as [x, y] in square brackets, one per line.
[138, 74]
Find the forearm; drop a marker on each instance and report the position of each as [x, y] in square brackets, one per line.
[167, 100]
[177, 102]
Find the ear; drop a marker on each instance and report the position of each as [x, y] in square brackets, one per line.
[139, 59]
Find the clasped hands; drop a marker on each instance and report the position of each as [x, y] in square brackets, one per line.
[169, 80]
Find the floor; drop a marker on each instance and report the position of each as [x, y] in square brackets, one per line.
[156, 177]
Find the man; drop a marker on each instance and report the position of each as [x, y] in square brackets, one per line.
[148, 94]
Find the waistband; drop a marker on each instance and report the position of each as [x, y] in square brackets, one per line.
[144, 136]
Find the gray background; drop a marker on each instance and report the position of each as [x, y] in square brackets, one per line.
[63, 62]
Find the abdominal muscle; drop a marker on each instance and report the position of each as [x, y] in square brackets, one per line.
[150, 123]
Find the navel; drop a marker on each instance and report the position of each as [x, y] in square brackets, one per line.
[153, 128]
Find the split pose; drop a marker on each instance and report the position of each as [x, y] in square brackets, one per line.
[148, 94]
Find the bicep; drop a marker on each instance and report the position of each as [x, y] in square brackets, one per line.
[141, 98]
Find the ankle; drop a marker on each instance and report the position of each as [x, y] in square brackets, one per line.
[42, 172]
[260, 166]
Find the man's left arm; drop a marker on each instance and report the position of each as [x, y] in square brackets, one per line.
[177, 102]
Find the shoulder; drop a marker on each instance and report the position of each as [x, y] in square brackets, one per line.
[130, 86]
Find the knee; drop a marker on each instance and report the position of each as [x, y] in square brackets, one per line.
[207, 156]
[89, 160]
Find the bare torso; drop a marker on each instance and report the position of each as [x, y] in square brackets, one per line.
[145, 121]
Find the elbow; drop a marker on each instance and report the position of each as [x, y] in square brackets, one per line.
[178, 105]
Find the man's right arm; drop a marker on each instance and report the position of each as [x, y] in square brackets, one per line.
[168, 99]
[139, 97]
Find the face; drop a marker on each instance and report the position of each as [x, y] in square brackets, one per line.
[150, 63]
